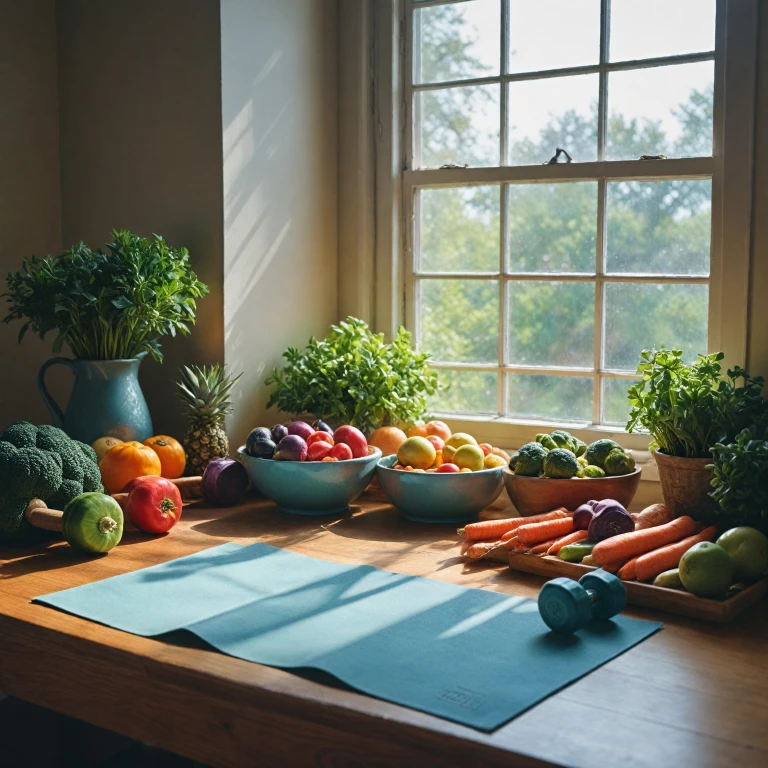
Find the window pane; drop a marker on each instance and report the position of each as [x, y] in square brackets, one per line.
[552, 227]
[467, 392]
[457, 42]
[641, 315]
[550, 113]
[460, 229]
[551, 323]
[651, 28]
[615, 405]
[567, 398]
[660, 227]
[661, 111]
[460, 320]
[554, 34]
[458, 125]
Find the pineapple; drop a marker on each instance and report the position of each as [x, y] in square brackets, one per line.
[205, 395]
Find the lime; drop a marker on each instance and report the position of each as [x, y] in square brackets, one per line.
[748, 550]
[706, 570]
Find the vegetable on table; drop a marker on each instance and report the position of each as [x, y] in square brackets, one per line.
[543, 548]
[154, 505]
[92, 522]
[570, 538]
[40, 463]
[225, 482]
[479, 549]
[628, 545]
[651, 564]
[650, 517]
[669, 579]
[627, 571]
[535, 533]
[576, 552]
[171, 455]
[610, 519]
[487, 528]
[583, 516]
[127, 461]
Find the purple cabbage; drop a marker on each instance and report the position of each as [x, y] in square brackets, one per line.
[610, 519]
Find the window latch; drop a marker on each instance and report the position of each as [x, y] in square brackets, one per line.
[556, 158]
[653, 157]
[451, 166]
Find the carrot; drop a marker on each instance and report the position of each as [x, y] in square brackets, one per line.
[571, 538]
[650, 565]
[543, 548]
[509, 543]
[650, 517]
[610, 567]
[487, 529]
[627, 571]
[480, 549]
[535, 533]
[628, 545]
[465, 545]
[555, 514]
[521, 547]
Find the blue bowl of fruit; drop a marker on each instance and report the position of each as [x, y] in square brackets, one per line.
[309, 469]
[428, 489]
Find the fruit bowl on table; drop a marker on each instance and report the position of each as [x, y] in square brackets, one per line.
[534, 495]
[434, 497]
[311, 487]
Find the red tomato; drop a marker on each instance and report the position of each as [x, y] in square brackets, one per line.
[320, 437]
[154, 505]
[341, 451]
[447, 468]
[319, 450]
[354, 438]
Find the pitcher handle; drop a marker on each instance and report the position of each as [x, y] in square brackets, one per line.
[53, 407]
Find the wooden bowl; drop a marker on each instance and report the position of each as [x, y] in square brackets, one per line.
[534, 495]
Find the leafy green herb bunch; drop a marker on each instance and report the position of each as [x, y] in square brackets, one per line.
[107, 305]
[689, 408]
[353, 377]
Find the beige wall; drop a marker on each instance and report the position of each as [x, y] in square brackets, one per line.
[30, 219]
[758, 322]
[279, 128]
[141, 149]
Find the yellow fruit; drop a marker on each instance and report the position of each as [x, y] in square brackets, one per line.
[417, 452]
[438, 459]
[103, 444]
[448, 451]
[465, 469]
[469, 457]
[388, 439]
[499, 452]
[458, 439]
[493, 462]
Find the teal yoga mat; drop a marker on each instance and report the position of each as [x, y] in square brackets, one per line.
[472, 656]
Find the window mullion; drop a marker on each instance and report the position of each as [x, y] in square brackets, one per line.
[599, 276]
[501, 382]
[602, 102]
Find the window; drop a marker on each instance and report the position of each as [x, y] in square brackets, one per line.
[535, 285]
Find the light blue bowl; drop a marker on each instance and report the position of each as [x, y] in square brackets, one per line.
[431, 497]
[311, 487]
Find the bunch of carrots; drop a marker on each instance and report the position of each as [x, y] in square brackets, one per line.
[641, 554]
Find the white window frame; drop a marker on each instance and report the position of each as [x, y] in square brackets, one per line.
[393, 216]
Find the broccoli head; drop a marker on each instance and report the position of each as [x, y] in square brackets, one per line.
[560, 463]
[590, 471]
[40, 462]
[597, 452]
[564, 440]
[547, 442]
[530, 459]
[619, 463]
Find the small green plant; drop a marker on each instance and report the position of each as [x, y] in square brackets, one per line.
[689, 408]
[107, 306]
[353, 377]
[740, 480]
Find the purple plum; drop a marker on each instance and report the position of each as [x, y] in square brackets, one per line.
[300, 428]
[279, 431]
[291, 448]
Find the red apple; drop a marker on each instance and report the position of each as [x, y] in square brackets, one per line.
[354, 438]
[340, 451]
[319, 450]
[447, 468]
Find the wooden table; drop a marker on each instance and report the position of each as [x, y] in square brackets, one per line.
[691, 695]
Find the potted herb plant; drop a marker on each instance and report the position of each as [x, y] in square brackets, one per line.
[110, 308]
[687, 409]
[353, 377]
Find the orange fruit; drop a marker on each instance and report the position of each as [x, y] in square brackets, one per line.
[438, 442]
[417, 452]
[387, 439]
[127, 461]
[171, 455]
[438, 429]
[486, 448]
[420, 430]
[493, 462]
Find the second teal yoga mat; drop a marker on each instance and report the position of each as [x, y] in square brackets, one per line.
[472, 656]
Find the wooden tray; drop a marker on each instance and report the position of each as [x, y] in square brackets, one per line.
[646, 595]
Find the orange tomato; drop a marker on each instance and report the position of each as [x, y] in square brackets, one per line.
[420, 430]
[127, 461]
[319, 437]
[171, 455]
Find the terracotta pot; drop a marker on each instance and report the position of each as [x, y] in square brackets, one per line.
[685, 485]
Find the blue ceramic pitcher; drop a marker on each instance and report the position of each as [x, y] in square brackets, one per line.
[106, 400]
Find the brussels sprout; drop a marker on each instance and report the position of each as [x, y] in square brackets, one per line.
[547, 442]
[597, 452]
[564, 440]
[590, 471]
[619, 463]
[581, 447]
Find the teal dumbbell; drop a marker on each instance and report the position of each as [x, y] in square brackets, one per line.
[567, 605]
